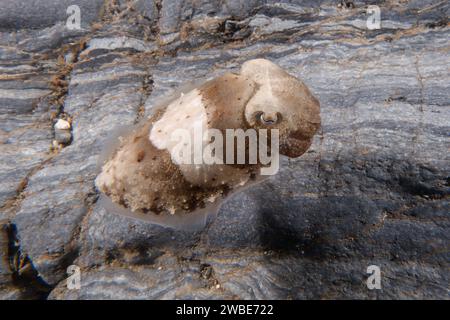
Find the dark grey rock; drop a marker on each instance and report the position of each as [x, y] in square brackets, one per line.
[147, 8]
[372, 189]
[5, 271]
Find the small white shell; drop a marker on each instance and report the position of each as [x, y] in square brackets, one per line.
[62, 124]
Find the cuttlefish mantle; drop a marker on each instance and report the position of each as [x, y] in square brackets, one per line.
[152, 171]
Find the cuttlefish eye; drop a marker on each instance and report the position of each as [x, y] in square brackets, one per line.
[268, 119]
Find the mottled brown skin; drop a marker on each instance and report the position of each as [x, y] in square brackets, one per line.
[144, 179]
[225, 99]
[150, 181]
[298, 111]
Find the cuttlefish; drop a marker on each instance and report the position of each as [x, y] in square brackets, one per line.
[178, 166]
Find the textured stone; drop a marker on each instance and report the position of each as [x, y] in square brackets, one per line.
[5, 272]
[373, 188]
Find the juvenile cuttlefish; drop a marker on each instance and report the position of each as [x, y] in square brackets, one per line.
[178, 166]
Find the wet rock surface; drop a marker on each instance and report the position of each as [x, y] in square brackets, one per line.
[372, 190]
